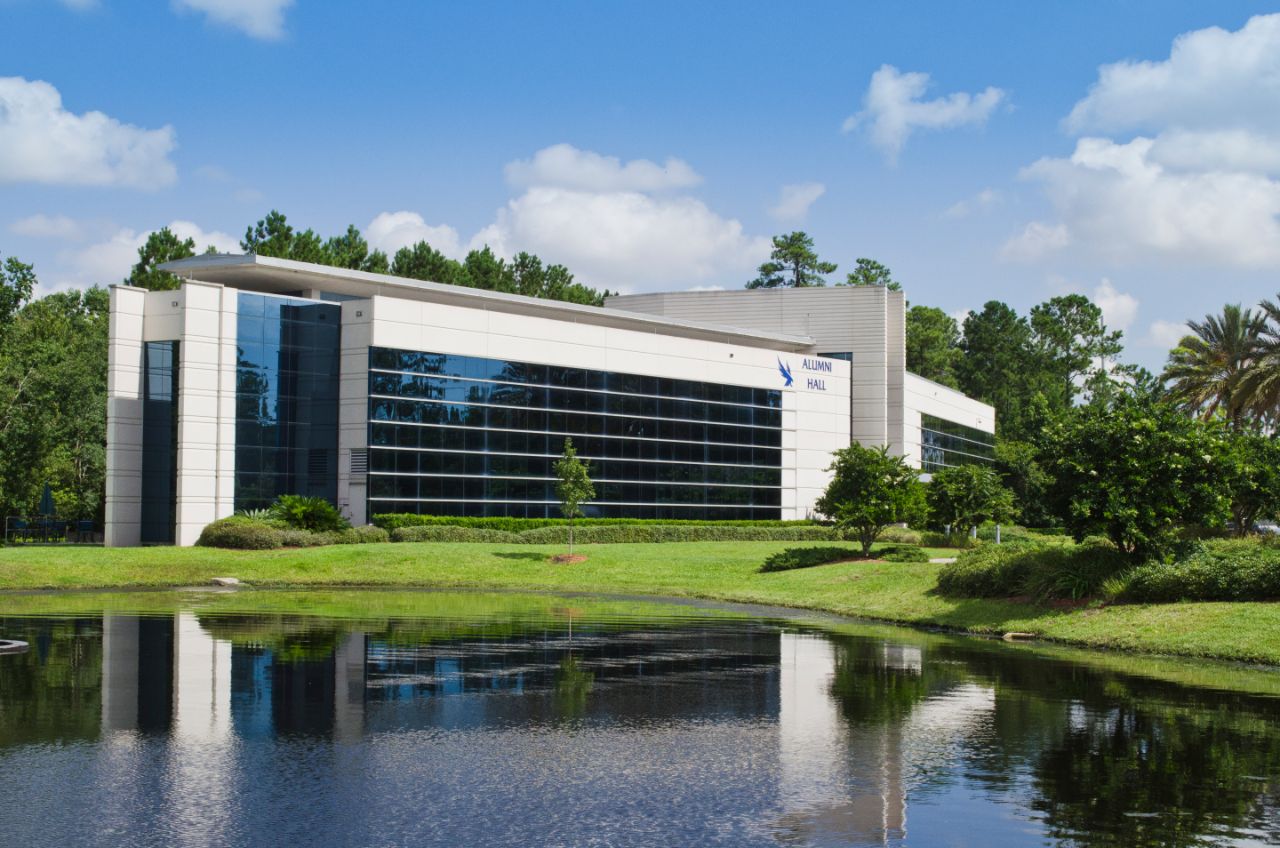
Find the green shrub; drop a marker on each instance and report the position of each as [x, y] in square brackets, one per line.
[1219, 570]
[392, 521]
[931, 539]
[451, 534]
[793, 558]
[646, 533]
[901, 535]
[305, 513]
[902, 553]
[240, 533]
[1035, 569]
[292, 537]
[363, 535]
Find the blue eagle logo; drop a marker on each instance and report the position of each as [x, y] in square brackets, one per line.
[785, 371]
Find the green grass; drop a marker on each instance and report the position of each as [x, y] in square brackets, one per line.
[895, 592]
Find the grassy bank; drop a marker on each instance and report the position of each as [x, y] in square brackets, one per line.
[897, 592]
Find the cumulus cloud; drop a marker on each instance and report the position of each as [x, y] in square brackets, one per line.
[893, 109]
[794, 201]
[980, 202]
[565, 166]
[1165, 334]
[1118, 308]
[48, 226]
[262, 19]
[41, 142]
[588, 212]
[391, 231]
[1037, 239]
[109, 260]
[1178, 159]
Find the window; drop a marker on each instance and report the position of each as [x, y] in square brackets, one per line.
[946, 443]
[486, 434]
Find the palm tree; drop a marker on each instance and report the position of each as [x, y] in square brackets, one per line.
[1260, 385]
[1205, 371]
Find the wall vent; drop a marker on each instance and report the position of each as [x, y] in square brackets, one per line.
[359, 460]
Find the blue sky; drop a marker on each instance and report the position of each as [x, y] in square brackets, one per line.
[1011, 151]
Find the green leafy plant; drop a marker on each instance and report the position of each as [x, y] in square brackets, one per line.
[573, 485]
[793, 558]
[964, 497]
[240, 533]
[308, 513]
[869, 491]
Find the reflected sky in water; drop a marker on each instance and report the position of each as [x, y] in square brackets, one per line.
[516, 720]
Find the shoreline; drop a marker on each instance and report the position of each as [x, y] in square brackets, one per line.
[874, 591]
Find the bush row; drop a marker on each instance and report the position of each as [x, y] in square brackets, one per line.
[1219, 570]
[1035, 569]
[793, 558]
[393, 521]
[257, 534]
[615, 534]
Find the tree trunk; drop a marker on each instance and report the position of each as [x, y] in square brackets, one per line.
[570, 537]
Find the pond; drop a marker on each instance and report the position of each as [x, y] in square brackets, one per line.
[432, 718]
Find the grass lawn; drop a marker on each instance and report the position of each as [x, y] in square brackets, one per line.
[897, 592]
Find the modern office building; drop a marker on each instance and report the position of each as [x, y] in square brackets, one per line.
[260, 377]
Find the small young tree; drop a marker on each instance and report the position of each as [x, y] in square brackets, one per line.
[965, 496]
[573, 486]
[1252, 465]
[870, 490]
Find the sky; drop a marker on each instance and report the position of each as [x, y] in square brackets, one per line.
[1012, 151]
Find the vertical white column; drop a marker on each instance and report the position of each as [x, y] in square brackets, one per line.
[227, 355]
[353, 407]
[895, 337]
[200, 410]
[124, 417]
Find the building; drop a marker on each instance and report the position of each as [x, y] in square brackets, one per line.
[260, 377]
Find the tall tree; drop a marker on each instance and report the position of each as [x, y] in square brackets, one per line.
[1260, 384]
[1205, 371]
[869, 272]
[933, 345]
[794, 263]
[424, 262]
[17, 282]
[964, 497]
[350, 250]
[273, 236]
[160, 247]
[485, 270]
[999, 366]
[1073, 344]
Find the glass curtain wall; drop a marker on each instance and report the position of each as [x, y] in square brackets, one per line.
[458, 435]
[287, 364]
[944, 444]
[159, 442]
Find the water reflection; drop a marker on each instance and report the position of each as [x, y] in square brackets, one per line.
[569, 726]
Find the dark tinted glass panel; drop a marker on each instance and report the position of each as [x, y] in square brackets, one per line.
[946, 443]
[455, 435]
[287, 399]
[159, 442]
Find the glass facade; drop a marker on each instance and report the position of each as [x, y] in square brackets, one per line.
[945, 443]
[458, 435]
[286, 399]
[159, 442]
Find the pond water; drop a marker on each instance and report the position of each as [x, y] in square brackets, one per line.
[396, 719]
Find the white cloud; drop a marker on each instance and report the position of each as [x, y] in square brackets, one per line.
[108, 261]
[1118, 308]
[259, 18]
[980, 202]
[1212, 79]
[48, 226]
[391, 231]
[794, 201]
[565, 166]
[626, 240]
[893, 109]
[1037, 239]
[1114, 199]
[1197, 179]
[41, 142]
[1165, 334]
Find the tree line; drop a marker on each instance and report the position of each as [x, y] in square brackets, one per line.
[524, 274]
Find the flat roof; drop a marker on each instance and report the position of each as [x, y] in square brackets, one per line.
[270, 275]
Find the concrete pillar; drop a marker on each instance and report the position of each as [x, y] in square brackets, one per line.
[124, 417]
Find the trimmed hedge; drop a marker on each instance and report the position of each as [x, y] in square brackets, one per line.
[1219, 570]
[901, 535]
[451, 534]
[364, 535]
[1036, 569]
[645, 533]
[392, 521]
[246, 534]
[902, 553]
